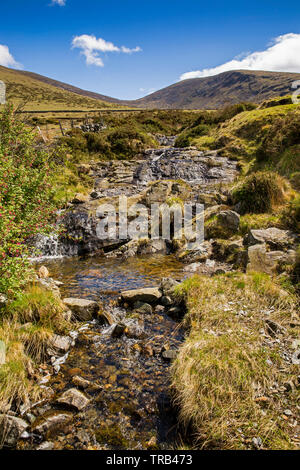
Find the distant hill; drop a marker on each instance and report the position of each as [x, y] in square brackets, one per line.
[43, 93]
[219, 90]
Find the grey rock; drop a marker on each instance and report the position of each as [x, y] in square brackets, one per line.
[142, 308]
[230, 220]
[273, 236]
[82, 309]
[74, 399]
[169, 355]
[261, 260]
[11, 429]
[60, 344]
[149, 295]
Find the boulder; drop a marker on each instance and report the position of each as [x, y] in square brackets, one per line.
[149, 295]
[273, 236]
[74, 399]
[229, 220]
[82, 309]
[60, 344]
[51, 421]
[168, 286]
[11, 429]
[142, 308]
[261, 260]
[158, 192]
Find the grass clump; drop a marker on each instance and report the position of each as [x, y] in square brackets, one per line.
[260, 192]
[26, 326]
[225, 367]
[291, 214]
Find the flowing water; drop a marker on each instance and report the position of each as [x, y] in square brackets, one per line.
[130, 404]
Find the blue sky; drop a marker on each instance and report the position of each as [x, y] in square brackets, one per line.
[147, 44]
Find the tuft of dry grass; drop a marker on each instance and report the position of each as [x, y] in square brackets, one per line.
[226, 377]
[26, 327]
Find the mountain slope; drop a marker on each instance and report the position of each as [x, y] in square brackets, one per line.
[198, 93]
[219, 90]
[42, 93]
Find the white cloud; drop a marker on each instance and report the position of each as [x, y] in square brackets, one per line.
[283, 55]
[91, 47]
[6, 59]
[61, 3]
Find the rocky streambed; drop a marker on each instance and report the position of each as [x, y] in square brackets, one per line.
[108, 382]
[111, 389]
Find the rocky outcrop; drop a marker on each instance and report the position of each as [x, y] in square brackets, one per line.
[274, 237]
[261, 260]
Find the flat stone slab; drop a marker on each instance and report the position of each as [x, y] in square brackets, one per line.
[149, 295]
[73, 398]
[273, 236]
[82, 309]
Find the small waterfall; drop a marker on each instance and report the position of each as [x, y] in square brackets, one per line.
[47, 246]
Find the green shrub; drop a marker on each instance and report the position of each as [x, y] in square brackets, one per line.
[260, 192]
[25, 198]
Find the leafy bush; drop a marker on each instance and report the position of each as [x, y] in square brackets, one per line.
[260, 192]
[185, 138]
[25, 197]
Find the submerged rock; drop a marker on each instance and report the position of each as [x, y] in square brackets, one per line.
[74, 399]
[82, 309]
[51, 421]
[81, 382]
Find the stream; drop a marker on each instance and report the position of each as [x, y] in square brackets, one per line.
[130, 406]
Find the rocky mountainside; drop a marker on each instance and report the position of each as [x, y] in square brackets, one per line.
[219, 90]
[197, 93]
